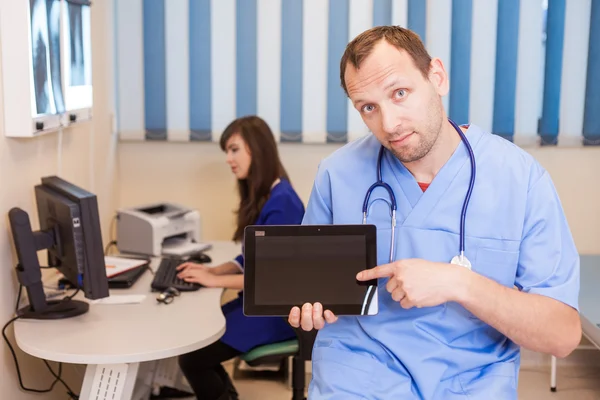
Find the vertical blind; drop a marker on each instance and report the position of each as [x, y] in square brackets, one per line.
[528, 70]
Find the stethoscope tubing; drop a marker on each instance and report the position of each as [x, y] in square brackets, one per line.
[381, 183]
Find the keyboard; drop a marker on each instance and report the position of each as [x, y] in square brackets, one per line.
[166, 277]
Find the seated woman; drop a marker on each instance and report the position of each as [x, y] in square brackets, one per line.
[266, 198]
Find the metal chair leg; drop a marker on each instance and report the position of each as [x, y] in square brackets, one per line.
[298, 379]
[553, 375]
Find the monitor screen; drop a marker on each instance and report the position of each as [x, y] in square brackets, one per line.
[80, 252]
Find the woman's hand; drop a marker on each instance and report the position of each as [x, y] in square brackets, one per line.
[198, 273]
[192, 265]
[212, 276]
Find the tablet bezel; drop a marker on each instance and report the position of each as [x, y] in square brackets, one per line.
[369, 231]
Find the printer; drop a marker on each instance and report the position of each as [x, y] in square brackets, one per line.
[159, 229]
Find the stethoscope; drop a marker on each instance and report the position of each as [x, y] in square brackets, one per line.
[459, 259]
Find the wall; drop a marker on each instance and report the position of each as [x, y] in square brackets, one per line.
[196, 175]
[84, 155]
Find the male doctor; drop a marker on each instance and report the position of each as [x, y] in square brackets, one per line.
[443, 331]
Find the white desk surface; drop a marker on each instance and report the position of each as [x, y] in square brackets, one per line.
[128, 333]
[589, 297]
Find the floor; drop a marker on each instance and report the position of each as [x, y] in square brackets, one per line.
[574, 383]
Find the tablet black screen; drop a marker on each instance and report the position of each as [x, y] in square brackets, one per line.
[309, 268]
[293, 269]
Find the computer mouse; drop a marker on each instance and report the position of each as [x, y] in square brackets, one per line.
[200, 258]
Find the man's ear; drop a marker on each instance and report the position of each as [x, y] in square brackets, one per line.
[438, 77]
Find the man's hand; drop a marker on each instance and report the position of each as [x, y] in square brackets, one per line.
[419, 283]
[311, 317]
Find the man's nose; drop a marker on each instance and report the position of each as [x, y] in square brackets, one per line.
[390, 118]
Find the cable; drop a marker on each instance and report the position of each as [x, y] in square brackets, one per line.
[70, 392]
[17, 363]
[111, 233]
[18, 298]
[58, 378]
[111, 229]
[109, 245]
[71, 296]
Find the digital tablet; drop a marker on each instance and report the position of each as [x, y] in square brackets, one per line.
[289, 265]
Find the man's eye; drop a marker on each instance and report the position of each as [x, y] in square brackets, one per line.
[368, 108]
[400, 93]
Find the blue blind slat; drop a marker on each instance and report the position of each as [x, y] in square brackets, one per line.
[555, 33]
[155, 97]
[246, 58]
[200, 70]
[291, 71]
[505, 85]
[417, 16]
[382, 12]
[337, 110]
[460, 61]
[591, 119]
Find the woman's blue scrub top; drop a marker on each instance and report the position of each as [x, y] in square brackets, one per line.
[516, 235]
[283, 207]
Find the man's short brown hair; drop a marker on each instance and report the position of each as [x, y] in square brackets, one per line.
[404, 39]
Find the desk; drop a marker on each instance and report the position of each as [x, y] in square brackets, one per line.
[113, 339]
[589, 306]
[589, 298]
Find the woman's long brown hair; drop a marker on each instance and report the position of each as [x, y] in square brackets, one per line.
[265, 168]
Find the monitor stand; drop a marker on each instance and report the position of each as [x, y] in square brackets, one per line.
[57, 309]
[27, 244]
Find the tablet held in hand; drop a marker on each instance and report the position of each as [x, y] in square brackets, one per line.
[289, 265]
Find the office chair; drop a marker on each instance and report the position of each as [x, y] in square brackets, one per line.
[300, 349]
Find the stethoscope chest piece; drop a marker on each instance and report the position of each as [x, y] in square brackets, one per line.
[461, 260]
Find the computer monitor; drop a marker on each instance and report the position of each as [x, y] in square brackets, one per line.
[70, 231]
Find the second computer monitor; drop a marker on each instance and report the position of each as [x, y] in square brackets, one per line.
[78, 253]
[70, 232]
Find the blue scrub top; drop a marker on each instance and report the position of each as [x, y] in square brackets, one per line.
[516, 234]
[283, 207]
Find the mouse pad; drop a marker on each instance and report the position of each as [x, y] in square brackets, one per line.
[289, 265]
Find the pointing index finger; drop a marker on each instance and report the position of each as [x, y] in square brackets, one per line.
[380, 271]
